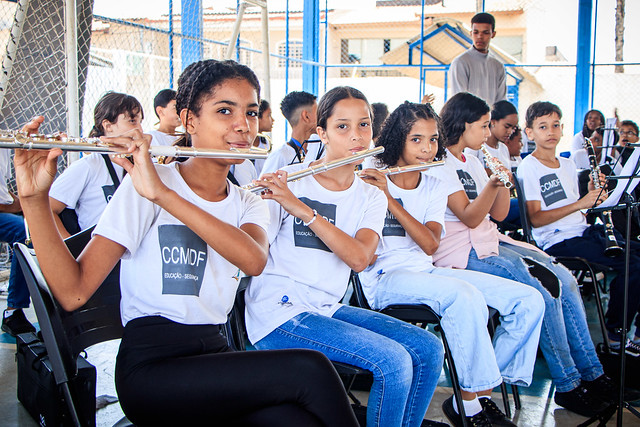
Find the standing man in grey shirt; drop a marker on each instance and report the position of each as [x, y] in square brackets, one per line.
[476, 71]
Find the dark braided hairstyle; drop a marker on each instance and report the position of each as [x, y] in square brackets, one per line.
[460, 109]
[109, 108]
[199, 80]
[398, 125]
[586, 132]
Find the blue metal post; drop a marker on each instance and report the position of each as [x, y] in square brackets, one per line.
[238, 39]
[311, 45]
[170, 44]
[326, 38]
[583, 62]
[191, 26]
[593, 55]
[422, 79]
[286, 68]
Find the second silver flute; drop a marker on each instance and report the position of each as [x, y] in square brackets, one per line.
[322, 167]
[494, 165]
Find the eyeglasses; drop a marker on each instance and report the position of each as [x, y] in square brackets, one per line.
[627, 133]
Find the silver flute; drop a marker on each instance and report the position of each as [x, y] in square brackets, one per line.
[395, 170]
[23, 141]
[322, 167]
[495, 166]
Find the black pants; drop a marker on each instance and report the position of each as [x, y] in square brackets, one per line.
[591, 246]
[173, 374]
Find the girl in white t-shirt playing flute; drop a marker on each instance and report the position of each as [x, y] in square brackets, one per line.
[473, 242]
[183, 233]
[321, 228]
[404, 274]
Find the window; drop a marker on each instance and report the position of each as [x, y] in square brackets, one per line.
[295, 52]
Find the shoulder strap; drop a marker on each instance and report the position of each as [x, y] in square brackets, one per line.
[298, 150]
[232, 178]
[112, 171]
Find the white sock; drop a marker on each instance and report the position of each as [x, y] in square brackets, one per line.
[8, 312]
[471, 407]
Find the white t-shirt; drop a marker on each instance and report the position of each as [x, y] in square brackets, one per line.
[5, 172]
[581, 159]
[167, 269]
[302, 273]
[578, 142]
[87, 187]
[396, 249]
[286, 155]
[468, 176]
[259, 163]
[553, 188]
[501, 153]
[244, 173]
[161, 138]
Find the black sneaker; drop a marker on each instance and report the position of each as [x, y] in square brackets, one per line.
[581, 401]
[478, 420]
[494, 414]
[607, 390]
[17, 323]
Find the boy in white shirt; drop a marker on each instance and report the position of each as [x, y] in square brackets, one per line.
[164, 105]
[554, 207]
[301, 110]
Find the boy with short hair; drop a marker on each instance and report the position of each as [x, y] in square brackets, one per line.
[476, 70]
[554, 207]
[300, 109]
[164, 105]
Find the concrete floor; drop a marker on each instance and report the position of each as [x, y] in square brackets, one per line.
[538, 408]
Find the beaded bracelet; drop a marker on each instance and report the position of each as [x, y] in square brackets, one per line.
[313, 218]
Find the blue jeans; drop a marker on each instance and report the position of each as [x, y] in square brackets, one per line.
[591, 246]
[11, 231]
[564, 340]
[405, 360]
[461, 298]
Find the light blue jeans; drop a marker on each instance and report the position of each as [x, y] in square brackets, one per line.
[405, 360]
[564, 340]
[461, 298]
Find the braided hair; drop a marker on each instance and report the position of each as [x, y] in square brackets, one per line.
[109, 108]
[393, 135]
[199, 80]
[586, 132]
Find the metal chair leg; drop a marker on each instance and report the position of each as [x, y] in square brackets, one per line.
[516, 396]
[505, 399]
[454, 378]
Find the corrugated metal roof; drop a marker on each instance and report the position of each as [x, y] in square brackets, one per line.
[443, 41]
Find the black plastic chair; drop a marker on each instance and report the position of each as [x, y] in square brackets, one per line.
[580, 267]
[67, 334]
[417, 314]
[235, 330]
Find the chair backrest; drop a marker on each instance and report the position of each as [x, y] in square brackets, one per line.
[235, 330]
[66, 334]
[524, 217]
[358, 293]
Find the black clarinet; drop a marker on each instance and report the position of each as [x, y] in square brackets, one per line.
[613, 249]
